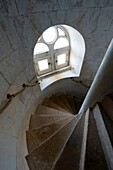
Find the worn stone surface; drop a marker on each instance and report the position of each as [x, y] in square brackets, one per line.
[47, 111]
[21, 146]
[38, 121]
[21, 23]
[11, 118]
[37, 136]
[70, 157]
[64, 100]
[11, 66]
[7, 151]
[46, 155]
[108, 123]
[4, 85]
[107, 104]
[72, 103]
[95, 158]
[58, 100]
[49, 103]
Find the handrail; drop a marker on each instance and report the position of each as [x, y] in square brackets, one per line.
[11, 96]
[102, 84]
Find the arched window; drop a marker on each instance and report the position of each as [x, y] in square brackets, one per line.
[58, 54]
[51, 53]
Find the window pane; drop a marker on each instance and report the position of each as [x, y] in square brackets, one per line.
[50, 35]
[61, 59]
[60, 32]
[43, 64]
[61, 42]
[40, 48]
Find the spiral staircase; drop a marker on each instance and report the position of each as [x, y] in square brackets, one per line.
[60, 139]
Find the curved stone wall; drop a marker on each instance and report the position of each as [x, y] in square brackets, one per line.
[21, 23]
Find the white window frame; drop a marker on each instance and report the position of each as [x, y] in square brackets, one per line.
[37, 65]
[67, 59]
[52, 54]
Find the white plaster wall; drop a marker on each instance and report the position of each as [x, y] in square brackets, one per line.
[77, 50]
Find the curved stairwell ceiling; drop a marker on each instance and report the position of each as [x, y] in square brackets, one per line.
[21, 24]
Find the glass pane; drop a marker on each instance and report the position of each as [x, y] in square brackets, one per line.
[61, 42]
[61, 59]
[43, 64]
[50, 35]
[60, 32]
[40, 48]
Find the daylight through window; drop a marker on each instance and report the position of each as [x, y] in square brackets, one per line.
[51, 52]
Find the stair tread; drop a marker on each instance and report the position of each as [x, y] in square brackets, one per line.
[72, 104]
[77, 104]
[104, 137]
[38, 121]
[44, 110]
[72, 152]
[51, 104]
[37, 136]
[57, 100]
[108, 123]
[65, 101]
[107, 104]
[45, 156]
[95, 158]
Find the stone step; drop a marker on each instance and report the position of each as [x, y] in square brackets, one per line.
[72, 104]
[77, 102]
[59, 102]
[51, 104]
[44, 110]
[70, 157]
[108, 123]
[107, 105]
[65, 101]
[39, 121]
[104, 137]
[45, 156]
[37, 136]
[95, 158]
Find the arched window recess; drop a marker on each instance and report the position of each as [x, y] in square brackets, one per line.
[58, 54]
